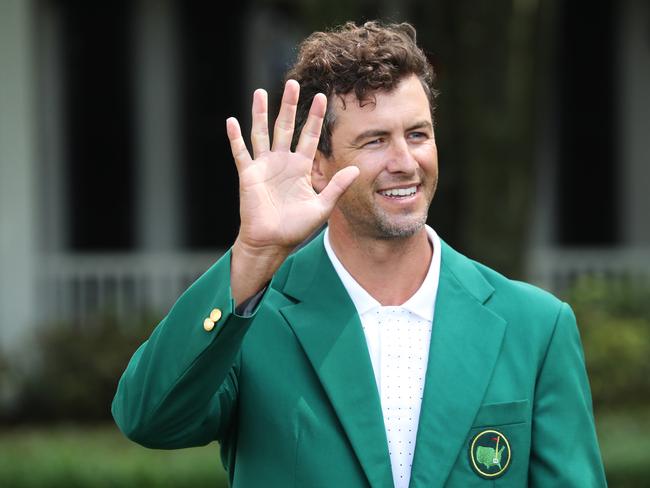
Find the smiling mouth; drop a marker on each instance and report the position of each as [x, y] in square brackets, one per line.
[399, 192]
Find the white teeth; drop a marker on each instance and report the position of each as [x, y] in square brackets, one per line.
[399, 192]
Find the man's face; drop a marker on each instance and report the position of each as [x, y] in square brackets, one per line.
[393, 145]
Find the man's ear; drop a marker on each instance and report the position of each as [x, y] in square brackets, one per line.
[319, 178]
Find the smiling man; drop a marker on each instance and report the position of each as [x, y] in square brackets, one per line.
[375, 355]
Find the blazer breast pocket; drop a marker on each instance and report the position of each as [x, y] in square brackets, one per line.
[509, 423]
[505, 413]
[497, 447]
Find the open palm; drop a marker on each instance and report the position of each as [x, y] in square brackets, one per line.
[278, 206]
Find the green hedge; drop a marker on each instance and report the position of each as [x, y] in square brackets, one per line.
[614, 321]
[76, 370]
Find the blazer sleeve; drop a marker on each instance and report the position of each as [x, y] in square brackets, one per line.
[180, 387]
[565, 450]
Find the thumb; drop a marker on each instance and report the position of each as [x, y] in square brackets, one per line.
[337, 186]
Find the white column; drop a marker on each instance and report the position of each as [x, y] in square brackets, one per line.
[634, 126]
[52, 175]
[542, 229]
[544, 208]
[157, 155]
[18, 303]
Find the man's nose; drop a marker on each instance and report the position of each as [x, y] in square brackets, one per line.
[400, 158]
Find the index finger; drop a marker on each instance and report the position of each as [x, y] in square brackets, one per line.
[311, 131]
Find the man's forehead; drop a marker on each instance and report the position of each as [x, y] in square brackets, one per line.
[408, 92]
[377, 113]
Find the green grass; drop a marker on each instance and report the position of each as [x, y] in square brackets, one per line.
[73, 456]
[625, 445]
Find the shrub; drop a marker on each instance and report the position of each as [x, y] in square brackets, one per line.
[614, 321]
[76, 369]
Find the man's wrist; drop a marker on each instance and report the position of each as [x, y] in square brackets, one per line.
[251, 268]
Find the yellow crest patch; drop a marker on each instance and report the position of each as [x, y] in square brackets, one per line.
[489, 454]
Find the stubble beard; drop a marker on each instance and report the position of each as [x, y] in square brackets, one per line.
[368, 218]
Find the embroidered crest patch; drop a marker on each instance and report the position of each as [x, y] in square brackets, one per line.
[489, 454]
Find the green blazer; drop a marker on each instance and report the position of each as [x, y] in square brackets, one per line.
[289, 392]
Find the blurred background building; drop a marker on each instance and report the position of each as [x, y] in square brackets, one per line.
[117, 187]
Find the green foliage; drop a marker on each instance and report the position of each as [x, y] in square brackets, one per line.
[70, 457]
[614, 320]
[625, 442]
[75, 370]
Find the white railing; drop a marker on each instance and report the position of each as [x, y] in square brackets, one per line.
[556, 269]
[78, 288]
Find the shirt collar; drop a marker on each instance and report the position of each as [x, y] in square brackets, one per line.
[421, 303]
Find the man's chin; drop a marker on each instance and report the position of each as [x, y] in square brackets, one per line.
[400, 229]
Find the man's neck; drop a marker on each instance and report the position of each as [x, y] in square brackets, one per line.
[390, 270]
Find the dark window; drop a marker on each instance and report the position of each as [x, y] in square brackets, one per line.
[212, 84]
[98, 115]
[587, 110]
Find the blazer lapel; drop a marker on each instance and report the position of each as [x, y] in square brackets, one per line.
[327, 325]
[465, 343]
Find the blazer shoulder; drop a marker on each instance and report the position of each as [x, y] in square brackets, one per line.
[481, 280]
[514, 300]
[533, 314]
[522, 290]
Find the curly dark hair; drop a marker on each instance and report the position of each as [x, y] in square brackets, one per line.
[359, 59]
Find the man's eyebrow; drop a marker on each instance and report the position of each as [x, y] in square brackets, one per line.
[423, 124]
[369, 133]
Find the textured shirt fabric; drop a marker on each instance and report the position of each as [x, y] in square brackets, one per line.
[398, 339]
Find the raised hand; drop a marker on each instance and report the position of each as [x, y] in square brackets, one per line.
[278, 206]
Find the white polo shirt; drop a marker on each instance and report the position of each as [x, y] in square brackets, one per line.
[398, 339]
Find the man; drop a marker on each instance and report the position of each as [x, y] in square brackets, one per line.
[376, 354]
